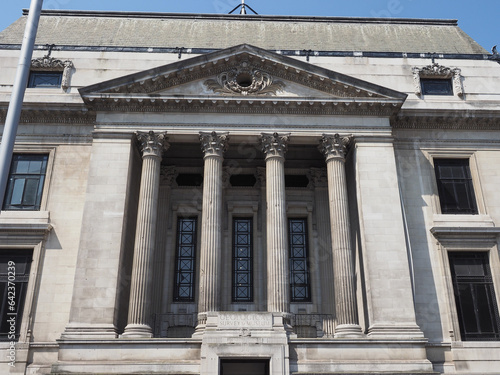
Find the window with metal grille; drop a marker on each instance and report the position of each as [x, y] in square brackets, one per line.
[475, 296]
[45, 79]
[439, 86]
[14, 275]
[185, 261]
[299, 271]
[454, 182]
[242, 260]
[26, 180]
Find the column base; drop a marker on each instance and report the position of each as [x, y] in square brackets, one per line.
[348, 330]
[137, 331]
[201, 325]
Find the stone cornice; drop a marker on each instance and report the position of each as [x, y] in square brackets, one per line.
[55, 116]
[448, 122]
[261, 105]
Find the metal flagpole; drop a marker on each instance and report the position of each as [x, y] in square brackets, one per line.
[17, 97]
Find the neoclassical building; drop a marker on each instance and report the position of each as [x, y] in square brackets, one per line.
[251, 195]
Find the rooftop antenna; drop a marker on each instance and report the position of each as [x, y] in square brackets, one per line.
[243, 8]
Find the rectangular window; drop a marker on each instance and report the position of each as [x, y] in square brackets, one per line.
[14, 276]
[299, 270]
[185, 260]
[45, 79]
[474, 296]
[242, 260]
[455, 189]
[432, 86]
[25, 184]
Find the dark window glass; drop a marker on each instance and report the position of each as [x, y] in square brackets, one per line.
[299, 272]
[45, 79]
[189, 179]
[242, 260]
[454, 182]
[242, 180]
[431, 86]
[185, 260]
[292, 180]
[14, 275]
[474, 296]
[25, 184]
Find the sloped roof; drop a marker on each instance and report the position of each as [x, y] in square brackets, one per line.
[167, 30]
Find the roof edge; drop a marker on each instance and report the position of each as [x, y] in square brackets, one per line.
[247, 17]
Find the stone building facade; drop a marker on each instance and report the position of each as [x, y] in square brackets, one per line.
[218, 194]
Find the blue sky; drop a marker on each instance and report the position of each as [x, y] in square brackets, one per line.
[479, 18]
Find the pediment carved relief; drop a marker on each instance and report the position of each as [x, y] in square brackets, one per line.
[244, 80]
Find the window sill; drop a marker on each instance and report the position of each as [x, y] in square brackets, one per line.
[475, 344]
[25, 228]
[461, 220]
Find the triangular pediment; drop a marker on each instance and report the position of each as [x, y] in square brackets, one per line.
[241, 74]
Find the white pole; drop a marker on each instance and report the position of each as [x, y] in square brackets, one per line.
[16, 100]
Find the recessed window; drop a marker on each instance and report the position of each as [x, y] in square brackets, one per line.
[242, 260]
[243, 180]
[299, 271]
[296, 181]
[455, 189]
[14, 275]
[25, 184]
[474, 296]
[45, 79]
[185, 260]
[189, 179]
[432, 86]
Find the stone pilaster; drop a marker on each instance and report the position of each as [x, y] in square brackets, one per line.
[139, 316]
[213, 146]
[320, 184]
[278, 289]
[334, 148]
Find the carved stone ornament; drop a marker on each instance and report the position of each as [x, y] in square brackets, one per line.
[437, 71]
[244, 80]
[50, 64]
[274, 144]
[213, 144]
[334, 146]
[318, 177]
[152, 144]
[168, 174]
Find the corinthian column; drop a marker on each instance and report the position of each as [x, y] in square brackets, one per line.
[278, 289]
[139, 320]
[334, 149]
[213, 146]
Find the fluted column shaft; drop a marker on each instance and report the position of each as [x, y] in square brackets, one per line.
[278, 289]
[139, 319]
[334, 149]
[213, 146]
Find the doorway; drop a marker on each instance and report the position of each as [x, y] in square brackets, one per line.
[244, 367]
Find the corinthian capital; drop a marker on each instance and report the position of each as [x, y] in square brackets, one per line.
[274, 144]
[152, 144]
[334, 146]
[213, 144]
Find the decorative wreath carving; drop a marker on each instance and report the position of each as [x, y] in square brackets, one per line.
[438, 71]
[244, 80]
